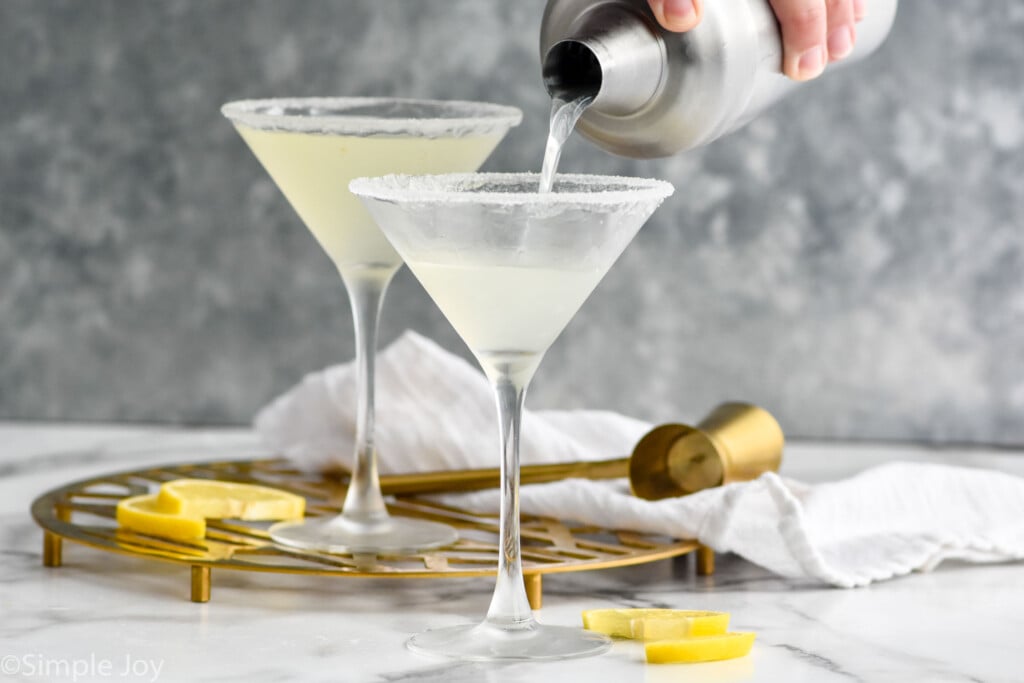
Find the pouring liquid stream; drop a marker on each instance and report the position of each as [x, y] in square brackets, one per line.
[564, 115]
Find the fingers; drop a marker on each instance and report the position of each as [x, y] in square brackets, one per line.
[859, 9]
[804, 25]
[677, 15]
[814, 32]
[841, 29]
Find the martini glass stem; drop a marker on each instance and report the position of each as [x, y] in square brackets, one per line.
[366, 286]
[510, 608]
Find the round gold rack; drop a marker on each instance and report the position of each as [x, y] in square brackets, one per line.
[84, 512]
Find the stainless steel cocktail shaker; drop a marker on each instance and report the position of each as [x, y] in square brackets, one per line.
[656, 92]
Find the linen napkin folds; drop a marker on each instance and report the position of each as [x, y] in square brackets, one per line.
[435, 411]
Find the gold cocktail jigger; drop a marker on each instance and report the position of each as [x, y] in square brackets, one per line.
[736, 442]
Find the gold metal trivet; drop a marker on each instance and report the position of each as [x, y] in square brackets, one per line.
[84, 512]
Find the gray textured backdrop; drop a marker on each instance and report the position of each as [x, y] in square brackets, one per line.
[854, 261]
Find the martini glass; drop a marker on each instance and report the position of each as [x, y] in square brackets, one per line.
[312, 148]
[509, 267]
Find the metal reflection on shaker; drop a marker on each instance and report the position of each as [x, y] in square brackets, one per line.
[657, 93]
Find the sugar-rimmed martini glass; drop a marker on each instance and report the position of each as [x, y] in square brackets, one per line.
[509, 267]
[312, 148]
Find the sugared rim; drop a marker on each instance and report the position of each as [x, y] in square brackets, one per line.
[453, 188]
[467, 118]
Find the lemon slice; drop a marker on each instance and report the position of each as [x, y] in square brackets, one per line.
[653, 624]
[700, 648]
[675, 624]
[229, 500]
[146, 515]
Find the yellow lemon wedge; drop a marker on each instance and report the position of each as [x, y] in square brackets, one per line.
[675, 624]
[700, 648]
[655, 624]
[181, 508]
[146, 515]
[229, 500]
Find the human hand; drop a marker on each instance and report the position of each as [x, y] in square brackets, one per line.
[814, 32]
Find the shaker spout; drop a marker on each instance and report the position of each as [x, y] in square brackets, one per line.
[614, 55]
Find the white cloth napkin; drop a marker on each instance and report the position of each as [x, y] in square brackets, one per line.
[435, 411]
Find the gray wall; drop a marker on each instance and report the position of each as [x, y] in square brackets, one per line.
[854, 261]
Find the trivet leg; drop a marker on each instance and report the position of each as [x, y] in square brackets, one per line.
[200, 583]
[534, 590]
[705, 561]
[53, 547]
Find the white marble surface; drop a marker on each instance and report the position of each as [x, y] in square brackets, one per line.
[959, 623]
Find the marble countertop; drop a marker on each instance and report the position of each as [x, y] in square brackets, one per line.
[104, 617]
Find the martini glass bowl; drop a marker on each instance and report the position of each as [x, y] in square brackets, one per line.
[312, 148]
[509, 267]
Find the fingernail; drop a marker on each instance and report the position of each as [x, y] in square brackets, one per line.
[679, 13]
[811, 63]
[840, 42]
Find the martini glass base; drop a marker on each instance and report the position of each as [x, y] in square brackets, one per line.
[485, 642]
[394, 535]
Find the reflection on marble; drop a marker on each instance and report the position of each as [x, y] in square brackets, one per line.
[854, 260]
[960, 623]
